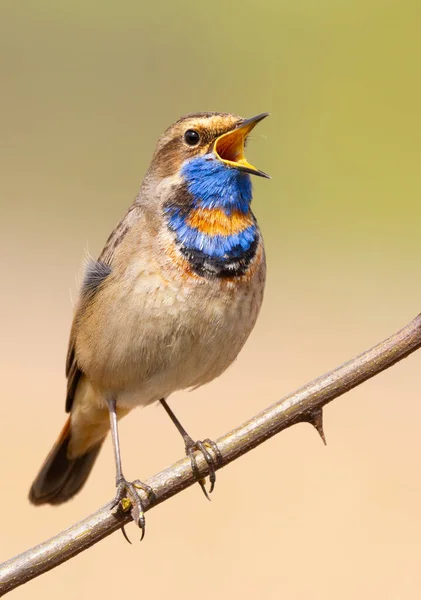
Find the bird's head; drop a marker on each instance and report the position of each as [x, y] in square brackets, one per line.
[219, 137]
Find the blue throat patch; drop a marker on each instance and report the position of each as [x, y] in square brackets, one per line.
[213, 185]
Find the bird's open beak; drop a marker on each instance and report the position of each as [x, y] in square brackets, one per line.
[229, 147]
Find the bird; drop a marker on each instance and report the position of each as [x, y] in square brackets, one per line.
[168, 304]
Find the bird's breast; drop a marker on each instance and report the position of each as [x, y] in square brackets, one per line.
[153, 329]
[216, 243]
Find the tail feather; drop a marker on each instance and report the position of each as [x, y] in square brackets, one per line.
[60, 478]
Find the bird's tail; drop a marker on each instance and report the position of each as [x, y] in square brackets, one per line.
[60, 477]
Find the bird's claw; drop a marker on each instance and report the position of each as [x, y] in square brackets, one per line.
[127, 499]
[211, 461]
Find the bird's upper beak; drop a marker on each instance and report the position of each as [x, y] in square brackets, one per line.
[229, 147]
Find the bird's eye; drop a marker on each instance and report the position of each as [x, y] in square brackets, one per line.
[191, 137]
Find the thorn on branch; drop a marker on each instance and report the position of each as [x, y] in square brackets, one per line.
[316, 419]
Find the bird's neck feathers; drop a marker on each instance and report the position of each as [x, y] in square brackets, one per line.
[214, 185]
[211, 218]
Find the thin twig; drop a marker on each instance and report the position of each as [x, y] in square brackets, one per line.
[304, 405]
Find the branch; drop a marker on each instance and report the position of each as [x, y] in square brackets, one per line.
[304, 405]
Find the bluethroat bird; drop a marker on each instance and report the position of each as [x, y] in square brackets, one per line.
[169, 303]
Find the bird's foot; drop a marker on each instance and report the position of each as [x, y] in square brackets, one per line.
[128, 499]
[212, 456]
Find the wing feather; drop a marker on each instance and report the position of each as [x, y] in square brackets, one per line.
[96, 273]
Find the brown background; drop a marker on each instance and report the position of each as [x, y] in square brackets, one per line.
[86, 89]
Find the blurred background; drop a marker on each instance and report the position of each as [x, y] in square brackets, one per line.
[87, 87]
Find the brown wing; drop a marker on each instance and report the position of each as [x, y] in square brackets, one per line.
[95, 274]
[73, 373]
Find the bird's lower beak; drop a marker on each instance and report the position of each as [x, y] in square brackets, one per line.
[229, 147]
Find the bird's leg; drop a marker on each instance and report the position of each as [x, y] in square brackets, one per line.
[201, 446]
[126, 496]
